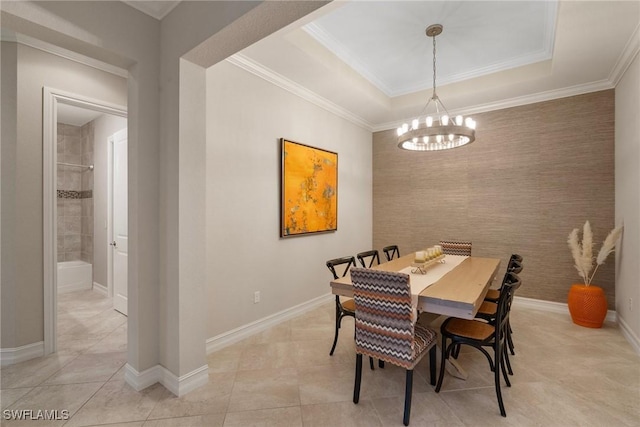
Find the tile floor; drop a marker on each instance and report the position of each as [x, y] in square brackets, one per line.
[565, 375]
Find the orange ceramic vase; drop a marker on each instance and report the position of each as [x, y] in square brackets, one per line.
[587, 305]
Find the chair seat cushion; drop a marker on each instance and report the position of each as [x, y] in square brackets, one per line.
[488, 308]
[348, 305]
[492, 295]
[473, 329]
[423, 339]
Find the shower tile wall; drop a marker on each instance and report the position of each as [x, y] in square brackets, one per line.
[75, 193]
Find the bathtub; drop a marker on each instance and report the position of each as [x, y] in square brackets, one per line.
[74, 276]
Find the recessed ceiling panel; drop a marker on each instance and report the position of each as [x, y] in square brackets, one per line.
[386, 42]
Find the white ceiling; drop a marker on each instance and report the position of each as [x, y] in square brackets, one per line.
[386, 43]
[370, 61]
[76, 116]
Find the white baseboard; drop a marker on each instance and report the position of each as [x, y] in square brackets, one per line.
[100, 288]
[72, 287]
[9, 356]
[238, 334]
[159, 374]
[185, 383]
[628, 333]
[554, 307]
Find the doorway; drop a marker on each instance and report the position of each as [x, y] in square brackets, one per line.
[83, 196]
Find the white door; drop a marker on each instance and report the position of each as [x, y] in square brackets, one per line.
[119, 217]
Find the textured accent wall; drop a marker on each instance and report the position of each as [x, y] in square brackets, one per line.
[533, 174]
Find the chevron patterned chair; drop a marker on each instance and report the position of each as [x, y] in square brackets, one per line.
[455, 247]
[385, 328]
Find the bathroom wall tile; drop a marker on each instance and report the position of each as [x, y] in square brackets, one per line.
[60, 178]
[72, 181]
[62, 228]
[87, 207]
[73, 145]
[60, 132]
[60, 240]
[72, 225]
[72, 256]
[86, 225]
[86, 257]
[61, 256]
[73, 207]
[72, 243]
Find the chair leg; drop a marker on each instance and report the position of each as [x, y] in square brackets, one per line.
[371, 363]
[507, 361]
[498, 368]
[456, 351]
[432, 365]
[356, 386]
[443, 361]
[510, 340]
[381, 364]
[335, 337]
[407, 397]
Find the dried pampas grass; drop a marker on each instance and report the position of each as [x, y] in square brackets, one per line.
[582, 252]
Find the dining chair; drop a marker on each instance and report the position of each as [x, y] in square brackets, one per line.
[339, 267]
[391, 252]
[385, 328]
[515, 266]
[479, 334]
[455, 247]
[489, 307]
[367, 258]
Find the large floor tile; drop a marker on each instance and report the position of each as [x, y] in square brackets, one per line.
[211, 398]
[117, 402]
[89, 368]
[344, 414]
[207, 420]
[264, 389]
[278, 417]
[67, 398]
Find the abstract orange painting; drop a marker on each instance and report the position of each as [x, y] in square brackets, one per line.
[309, 190]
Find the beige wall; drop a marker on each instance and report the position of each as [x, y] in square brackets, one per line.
[244, 250]
[627, 159]
[534, 173]
[36, 69]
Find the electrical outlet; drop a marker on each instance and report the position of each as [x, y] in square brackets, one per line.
[256, 297]
[630, 304]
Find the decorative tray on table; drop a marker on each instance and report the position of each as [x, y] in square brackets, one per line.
[420, 267]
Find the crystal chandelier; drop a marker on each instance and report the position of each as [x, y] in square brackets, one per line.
[436, 131]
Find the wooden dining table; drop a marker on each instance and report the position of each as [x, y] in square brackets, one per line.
[458, 293]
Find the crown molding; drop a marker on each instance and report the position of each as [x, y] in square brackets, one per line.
[517, 102]
[629, 53]
[279, 80]
[63, 53]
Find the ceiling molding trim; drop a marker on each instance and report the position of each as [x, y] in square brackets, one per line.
[272, 77]
[158, 11]
[334, 46]
[66, 54]
[521, 61]
[516, 102]
[629, 53]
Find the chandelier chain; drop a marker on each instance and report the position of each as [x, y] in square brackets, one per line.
[434, 68]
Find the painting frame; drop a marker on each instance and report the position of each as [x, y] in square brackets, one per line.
[308, 189]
